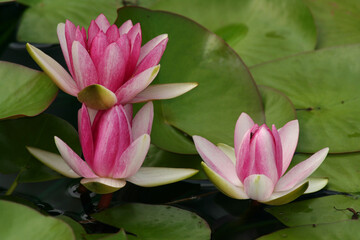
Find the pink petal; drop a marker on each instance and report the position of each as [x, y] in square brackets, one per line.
[70, 30]
[153, 58]
[111, 67]
[79, 166]
[112, 33]
[216, 160]
[111, 134]
[289, 135]
[64, 46]
[129, 112]
[98, 47]
[135, 85]
[102, 22]
[150, 45]
[84, 68]
[80, 37]
[163, 91]
[85, 135]
[134, 56]
[243, 124]
[257, 156]
[132, 158]
[258, 187]
[125, 27]
[278, 151]
[134, 33]
[92, 32]
[142, 122]
[301, 171]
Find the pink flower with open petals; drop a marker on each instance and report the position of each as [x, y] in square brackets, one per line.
[114, 149]
[256, 167]
[107, 64]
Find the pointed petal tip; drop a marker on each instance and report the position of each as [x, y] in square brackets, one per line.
[53, 161]
[157, 176]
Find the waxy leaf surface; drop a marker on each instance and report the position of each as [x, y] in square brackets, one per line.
[194, 54]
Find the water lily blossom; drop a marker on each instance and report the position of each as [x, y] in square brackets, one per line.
[107, 64]
[114, 149]
[256, 167]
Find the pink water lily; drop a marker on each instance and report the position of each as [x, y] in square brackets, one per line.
[114, 149]
[256, 167]
[108, 65]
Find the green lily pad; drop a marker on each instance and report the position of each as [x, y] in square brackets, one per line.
[329, 209]
[78, 230]
[347, 230]
[194, 54]
[337, 21]
[341, 169]
[155, 222]
[24, 91]
[39, 21]
[21, 222]
[38, 132]
[258, 31]
[121, 235]
[324, 88]
[278, 108]
[157, 157]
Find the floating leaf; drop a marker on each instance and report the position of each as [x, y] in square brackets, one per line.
[278, 108]
[155, 222]
[24, 91]
[39, 21]
[324, 87]
[341, 169]
[225, 86]
[21, 222]
[337, 21]
[121, 235]
[315, 211]
[258, 31]
[38, 132]
[78, 230]
[347, 230]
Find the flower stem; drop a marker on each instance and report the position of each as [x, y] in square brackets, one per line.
[13, 185]
[104, 202]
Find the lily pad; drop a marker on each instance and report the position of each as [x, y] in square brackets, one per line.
[155, 222]
[278, 108]
[341, 169]
[258, 31]
[78, 230]
[21, 222]
[38, 132]
[329, 209]
[194, 54]
[337, 21]
[346, 230]
[324, 88]
[121, 235]
[39, 21]
[24, 91]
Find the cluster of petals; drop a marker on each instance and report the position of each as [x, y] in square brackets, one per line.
[114, 148]
[256, 167]
[107, 64]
